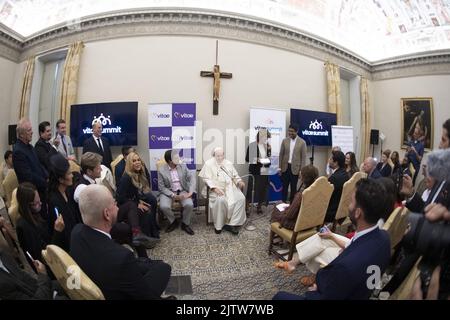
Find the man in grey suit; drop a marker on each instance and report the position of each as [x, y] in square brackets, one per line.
[176, 183]
[292, 159]
[62, 141]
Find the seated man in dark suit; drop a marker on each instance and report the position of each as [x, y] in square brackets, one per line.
[370, 167]
[44, 149]
[352, 275]
[120, 167]
[337, 179]
[16, 284]
[111, 266]
[97, 144]
[26, 163]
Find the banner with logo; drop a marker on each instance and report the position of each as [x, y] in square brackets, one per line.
[274, 121]
[119, 121]
[171, 126]
[314, 126]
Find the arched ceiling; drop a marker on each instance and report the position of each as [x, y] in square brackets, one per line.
[374, 30]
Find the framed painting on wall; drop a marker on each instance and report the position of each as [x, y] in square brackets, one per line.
[417, 116]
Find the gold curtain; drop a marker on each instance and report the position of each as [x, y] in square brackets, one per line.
[365, 120]
[334, 90]
[69, 85]
[24, 108]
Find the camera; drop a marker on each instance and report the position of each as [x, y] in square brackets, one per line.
[430, 239]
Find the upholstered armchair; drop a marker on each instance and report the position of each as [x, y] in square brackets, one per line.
[312, 212]
[9, 184]
[346, 198]
[66, 272]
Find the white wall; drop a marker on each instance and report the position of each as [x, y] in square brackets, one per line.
[386, 107]
[7, 74]
[167, 69]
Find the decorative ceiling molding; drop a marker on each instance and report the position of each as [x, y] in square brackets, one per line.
[209, 24]
[412, 71]
[10, 47]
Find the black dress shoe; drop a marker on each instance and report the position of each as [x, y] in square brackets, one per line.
[187, 229]
[145, 241]
[231, 229]
[169, 298]
[217, 231]
[172, 226]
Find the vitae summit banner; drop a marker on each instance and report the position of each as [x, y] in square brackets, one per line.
[118, 119]
[171, 126]
[275, 122]
[314, 126]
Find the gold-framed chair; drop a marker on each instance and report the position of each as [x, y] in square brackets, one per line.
[9, 184]
[346, 198]
[311, 215]
[76, 284]
[396, 226]
[74, 167]
[13, 210]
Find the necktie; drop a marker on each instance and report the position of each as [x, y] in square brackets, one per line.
[99, 145]
[64, 145]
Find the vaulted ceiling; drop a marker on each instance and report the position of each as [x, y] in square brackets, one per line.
[374, 30]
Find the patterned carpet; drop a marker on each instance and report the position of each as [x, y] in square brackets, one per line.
[226, 266]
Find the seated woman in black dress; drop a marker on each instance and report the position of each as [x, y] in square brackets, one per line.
[134, 186]
[383, 166]
[60, 196]
[32, 230]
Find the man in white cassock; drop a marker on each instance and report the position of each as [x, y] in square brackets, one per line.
[226, 200]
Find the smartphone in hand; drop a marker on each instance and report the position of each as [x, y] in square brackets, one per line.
[29, 256]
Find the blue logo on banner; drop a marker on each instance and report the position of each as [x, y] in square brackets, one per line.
[183, 114]
[160, 137]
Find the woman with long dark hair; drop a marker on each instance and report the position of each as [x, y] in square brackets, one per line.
[258, 156]
[32, 230]
[60, 196]
[288, 217]
[350, 164]
[395, 158]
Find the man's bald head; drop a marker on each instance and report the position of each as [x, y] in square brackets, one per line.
[369, 165]
[97, 207]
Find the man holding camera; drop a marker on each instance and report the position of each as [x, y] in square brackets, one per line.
[428, 234]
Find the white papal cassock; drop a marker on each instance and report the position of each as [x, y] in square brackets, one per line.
[228, 209]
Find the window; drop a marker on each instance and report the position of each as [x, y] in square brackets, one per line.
[50, 93]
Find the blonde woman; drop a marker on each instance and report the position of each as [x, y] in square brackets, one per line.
[134, 188]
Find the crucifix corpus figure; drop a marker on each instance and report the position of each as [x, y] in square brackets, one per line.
[216, 74]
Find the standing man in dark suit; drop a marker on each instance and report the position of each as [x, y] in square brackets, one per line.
[111, 266]
[44, 149]
[353, 274]
[338, 177]
[98, 144]
[26, 162]
[370, 167]
[415, 151]
[292, 159]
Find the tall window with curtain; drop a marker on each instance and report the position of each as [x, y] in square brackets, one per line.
[49, 100]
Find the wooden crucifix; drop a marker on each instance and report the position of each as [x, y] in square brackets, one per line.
[216, 74]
